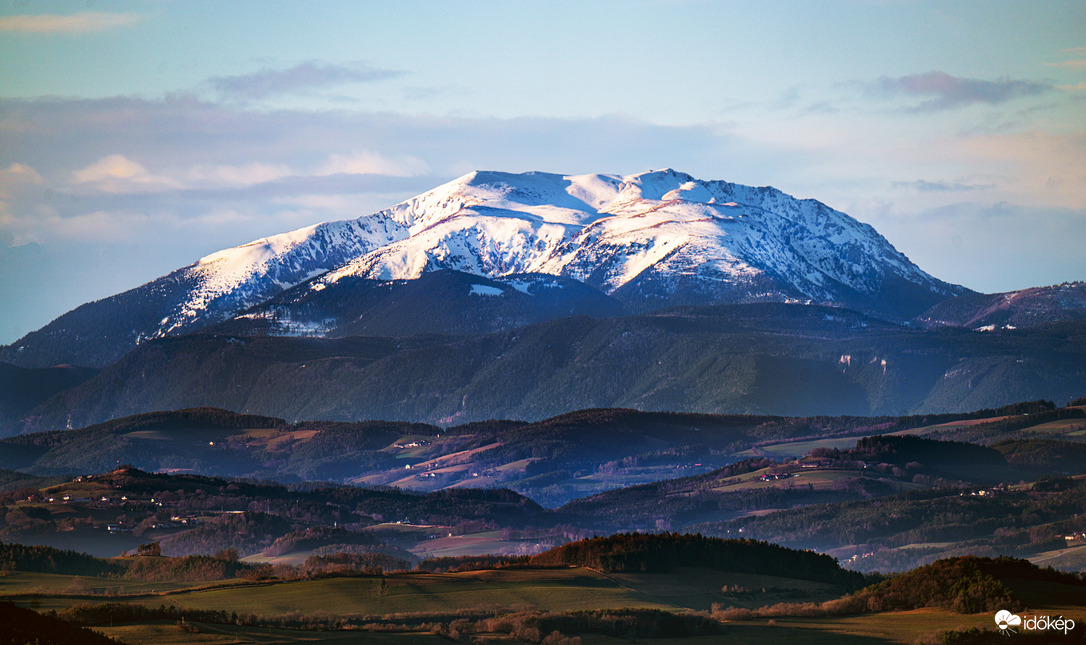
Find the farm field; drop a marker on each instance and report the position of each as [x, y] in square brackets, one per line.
[426, 593]
[699, 588]
[424, 597]
[55, 591]
[566, 589]
[891, 627]
[167, 633]
[787, 449]
[418, 607]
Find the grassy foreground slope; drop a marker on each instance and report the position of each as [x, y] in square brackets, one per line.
[650, 592]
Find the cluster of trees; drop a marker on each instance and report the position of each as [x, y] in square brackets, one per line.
[108, 613]
[662, 552]
[314, 537]
[1008, 428]
[1044, 455]
[248, 532]
[45, 559]
[472, 563]
[903, 449]
[343, 564]
[25, 520]
[628, 624]
[146, 566]
[547, 628]
[966, 585]
[190, 568]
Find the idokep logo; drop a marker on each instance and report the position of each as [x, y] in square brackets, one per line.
[1008, 623]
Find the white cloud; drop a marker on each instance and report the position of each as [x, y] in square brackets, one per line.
[20, 173]
[306, 76]
[246, 175]
[1070, 64]
[110, 167]
[16, 174]
[1074, 63]
[117, 174]
[76, 23]
[943, 91]
[368, 162]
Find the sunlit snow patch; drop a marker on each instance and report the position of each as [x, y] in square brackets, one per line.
[484, 290]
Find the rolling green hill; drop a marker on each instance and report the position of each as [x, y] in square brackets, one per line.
[651, 588]
[553, 461]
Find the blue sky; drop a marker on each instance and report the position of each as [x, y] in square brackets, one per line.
[136, 137]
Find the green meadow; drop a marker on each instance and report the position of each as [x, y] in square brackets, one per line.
[417, 600]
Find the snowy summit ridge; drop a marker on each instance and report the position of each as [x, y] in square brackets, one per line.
[620, 234]
[652, 239]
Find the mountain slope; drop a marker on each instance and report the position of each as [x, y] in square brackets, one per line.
[758, 359]
[23, 389]
[438, 302]
[654, 239]
[1025, 308]
[213, 289]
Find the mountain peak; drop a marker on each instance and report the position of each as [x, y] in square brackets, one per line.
[651, 239]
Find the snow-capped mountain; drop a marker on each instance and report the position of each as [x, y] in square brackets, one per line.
[648, 240]
[653, 239]
[615, 233]
[234, 279]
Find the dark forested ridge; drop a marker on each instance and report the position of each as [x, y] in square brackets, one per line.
[901, 450]
[749, 359]
[23, 389]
